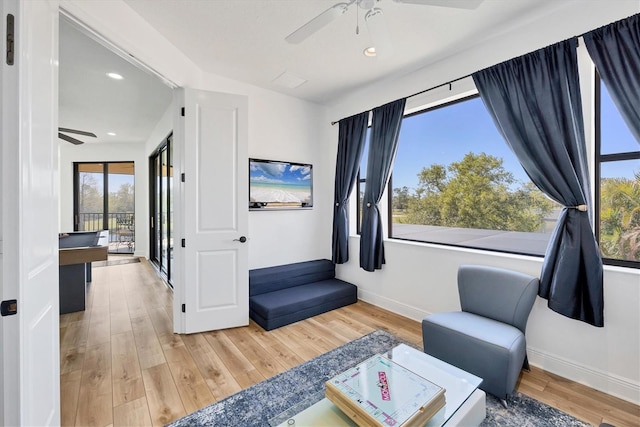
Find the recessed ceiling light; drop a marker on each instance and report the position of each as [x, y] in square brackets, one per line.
[111, 133]
[115, 76]
[370, 52]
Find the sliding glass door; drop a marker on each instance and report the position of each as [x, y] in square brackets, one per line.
[104, 200]
[161, 204]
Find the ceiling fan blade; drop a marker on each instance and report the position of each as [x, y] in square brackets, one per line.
[70, 139]
[379, 33]
[79, 132]
[317, 23]
[458, 4]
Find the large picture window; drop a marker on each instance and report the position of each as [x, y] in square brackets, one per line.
[455, 181]
[618, 192]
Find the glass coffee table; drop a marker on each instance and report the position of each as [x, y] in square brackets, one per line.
[465, 402]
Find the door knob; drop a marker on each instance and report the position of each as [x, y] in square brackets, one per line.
[242, 239]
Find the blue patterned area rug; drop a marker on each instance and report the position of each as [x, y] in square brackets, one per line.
[274, 400]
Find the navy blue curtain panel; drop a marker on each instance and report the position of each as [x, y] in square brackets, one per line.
[535, 103]
[351, 138]
[383, 144]
[615, 49]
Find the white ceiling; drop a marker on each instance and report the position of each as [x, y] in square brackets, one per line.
[245, 39]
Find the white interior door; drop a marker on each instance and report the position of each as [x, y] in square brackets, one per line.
[30, 384]
[211, 270]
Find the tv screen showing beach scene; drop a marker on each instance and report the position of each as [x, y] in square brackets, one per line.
[280, 185]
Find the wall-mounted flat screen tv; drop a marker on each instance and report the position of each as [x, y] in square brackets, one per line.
[275, 184]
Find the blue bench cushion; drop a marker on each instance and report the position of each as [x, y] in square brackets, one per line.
[269, 279]
[289, 293]
[285, 301]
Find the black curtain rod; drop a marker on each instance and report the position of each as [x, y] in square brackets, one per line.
[449, 83]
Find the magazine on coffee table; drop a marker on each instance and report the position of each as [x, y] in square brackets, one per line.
[379, 392]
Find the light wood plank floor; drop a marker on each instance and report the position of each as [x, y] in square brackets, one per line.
[121, 365]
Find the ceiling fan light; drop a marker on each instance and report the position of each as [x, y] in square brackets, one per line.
[378, 32]
[370, 52]
[115, 76]
[366, 4]
[111, 133]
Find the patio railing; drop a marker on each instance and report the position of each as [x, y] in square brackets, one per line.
[121, 227]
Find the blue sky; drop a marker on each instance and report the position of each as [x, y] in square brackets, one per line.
[117, 180]
[444, 135]
[279, 173]
[616, 136]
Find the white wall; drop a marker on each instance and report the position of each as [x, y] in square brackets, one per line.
[420, 279]
[112, 152]
[160, 132]
[283, 128]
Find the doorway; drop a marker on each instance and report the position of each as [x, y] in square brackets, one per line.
[104, 199]
[161, 208]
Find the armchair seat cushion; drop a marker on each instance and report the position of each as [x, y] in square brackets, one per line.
[485, 331]
[492, 350]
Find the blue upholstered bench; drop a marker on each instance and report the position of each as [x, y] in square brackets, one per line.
[289, 293]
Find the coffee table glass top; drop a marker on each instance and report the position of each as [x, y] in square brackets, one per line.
[459, 385]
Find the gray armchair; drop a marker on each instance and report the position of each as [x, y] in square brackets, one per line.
[487, 337]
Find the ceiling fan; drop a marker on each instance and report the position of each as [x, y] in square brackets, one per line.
[75, 131]
[373, 18]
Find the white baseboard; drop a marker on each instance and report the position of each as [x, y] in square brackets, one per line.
[606, 382]
[603, 381]
[393, 305]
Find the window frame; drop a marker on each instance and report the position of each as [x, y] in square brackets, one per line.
[359, 194]
[599, 160]
[161, 261]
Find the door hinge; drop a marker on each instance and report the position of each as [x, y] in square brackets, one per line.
[182, 111]
[9, 307]
[10, 39]
[184, 243]
[184, 308]
[182, 177]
